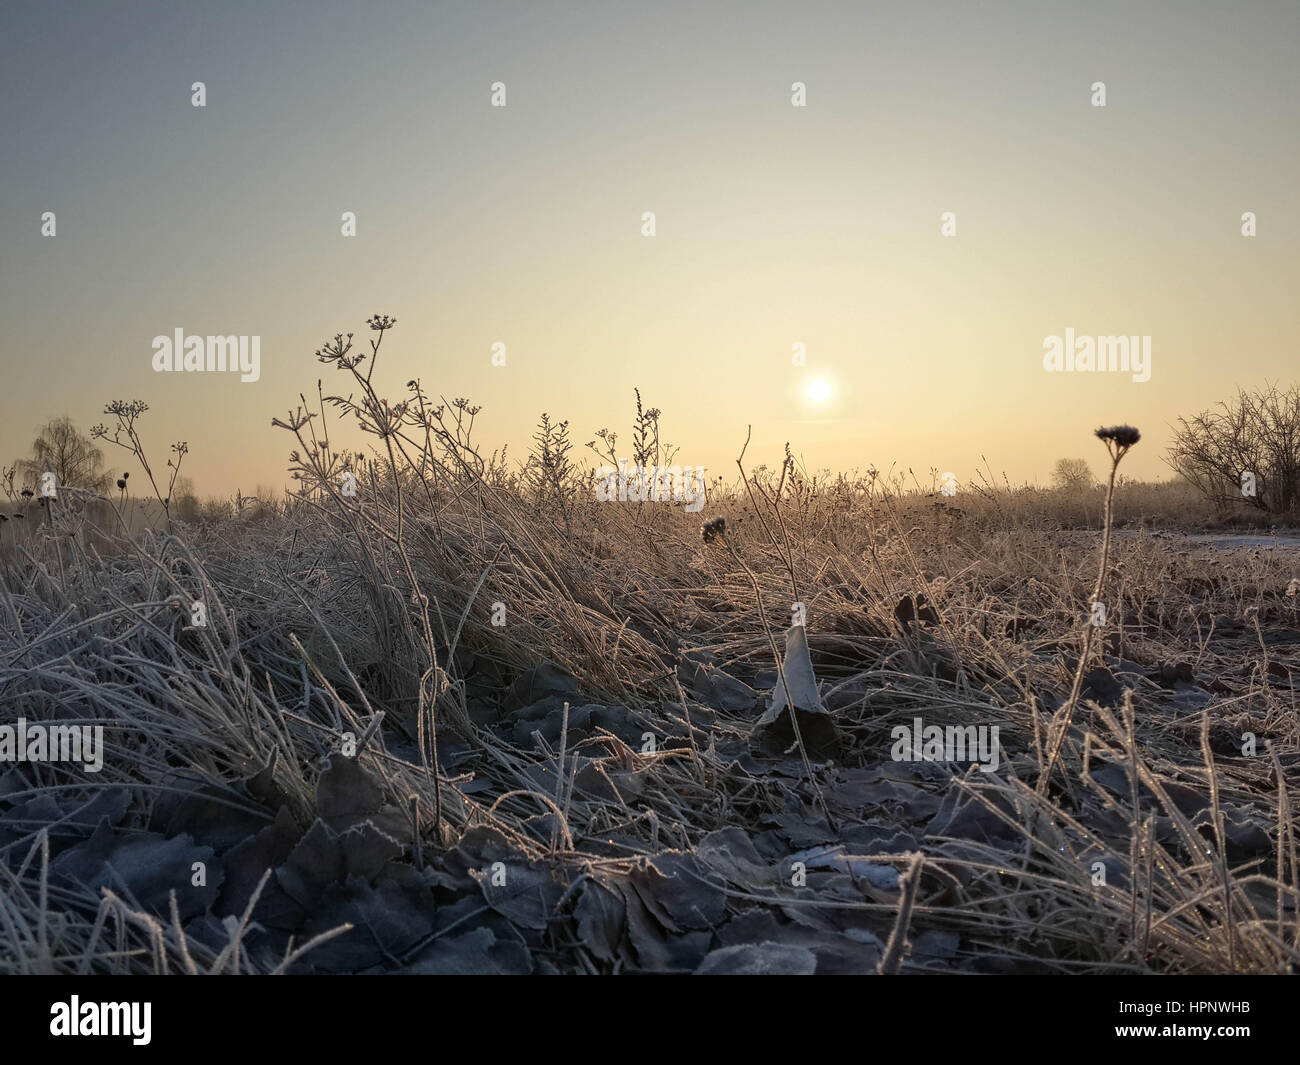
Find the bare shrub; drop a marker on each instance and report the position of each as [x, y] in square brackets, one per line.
[1256, 434]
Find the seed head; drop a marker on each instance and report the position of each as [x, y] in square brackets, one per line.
[713, 529]
[1125, 436]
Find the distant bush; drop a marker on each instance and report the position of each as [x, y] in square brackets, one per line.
[1246, 450]
[1072, 474]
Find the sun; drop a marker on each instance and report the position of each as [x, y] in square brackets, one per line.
[819, 390]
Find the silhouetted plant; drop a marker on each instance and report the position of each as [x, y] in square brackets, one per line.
[549, 472]
[1119, 439]
[127, 436]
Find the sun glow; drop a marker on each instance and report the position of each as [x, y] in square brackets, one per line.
[819, 390]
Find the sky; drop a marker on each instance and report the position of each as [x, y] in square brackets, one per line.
[774, 225]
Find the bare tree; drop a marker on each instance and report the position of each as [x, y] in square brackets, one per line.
[184, 500]
[1074, 474]
[60, 448]
[1245, 450]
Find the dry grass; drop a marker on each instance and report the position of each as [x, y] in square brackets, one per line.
[372, 615]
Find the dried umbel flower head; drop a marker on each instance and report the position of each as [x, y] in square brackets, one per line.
[714, 529]
[1124, 436]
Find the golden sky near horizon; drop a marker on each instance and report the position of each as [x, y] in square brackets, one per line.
[775, 225]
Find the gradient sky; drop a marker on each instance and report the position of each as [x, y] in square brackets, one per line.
[776, 224]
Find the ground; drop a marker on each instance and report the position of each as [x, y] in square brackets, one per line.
[525, 738]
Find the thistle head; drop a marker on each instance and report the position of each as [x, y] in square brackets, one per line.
[1124, 435]
[1118, 439]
